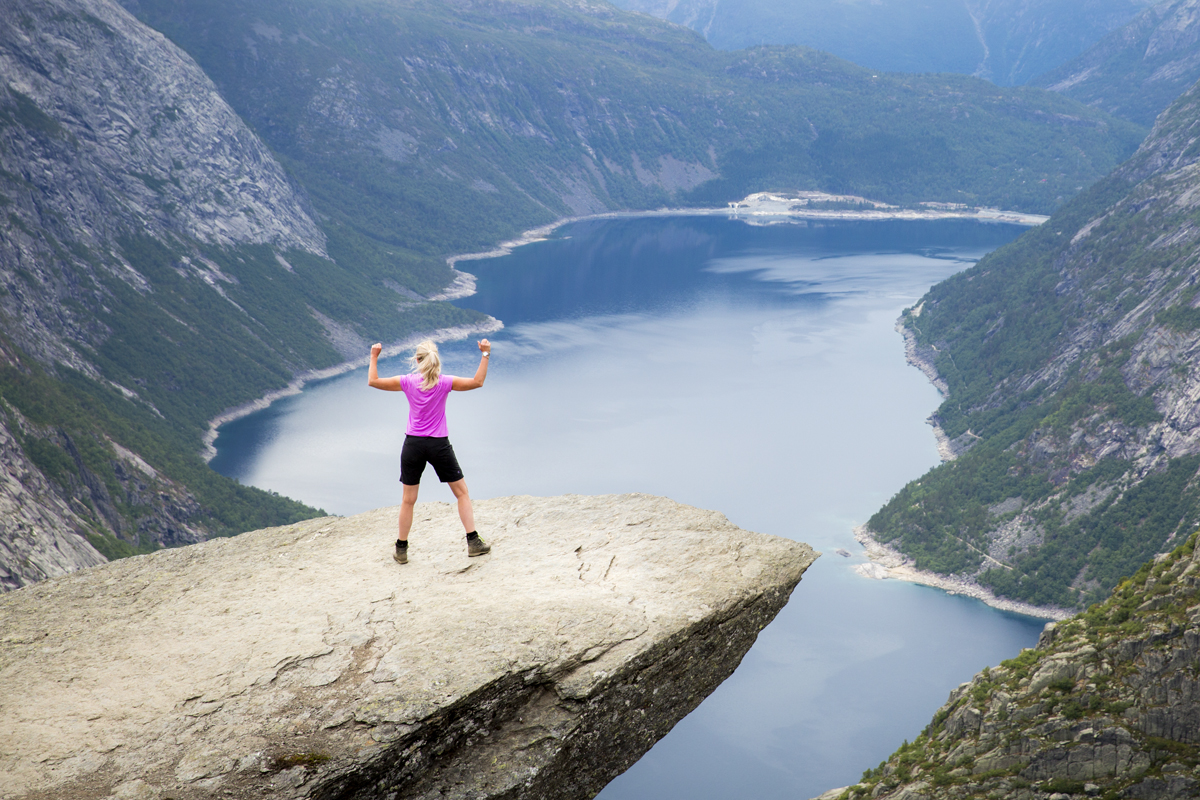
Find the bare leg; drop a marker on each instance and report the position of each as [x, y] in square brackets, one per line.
[465, 512]
[406, 510]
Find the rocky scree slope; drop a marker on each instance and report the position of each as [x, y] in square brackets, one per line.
[1069, 356]
[157, 266]
[1137, 71]
[1107, 705]
[109, 130]
[303, 662]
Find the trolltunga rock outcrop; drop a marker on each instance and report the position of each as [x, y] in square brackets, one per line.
[303, 662]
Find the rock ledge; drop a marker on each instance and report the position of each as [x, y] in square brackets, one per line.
[303, 662]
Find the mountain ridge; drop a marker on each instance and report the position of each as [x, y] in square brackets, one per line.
[1005, 41]
[563, 135]
[1136, 71]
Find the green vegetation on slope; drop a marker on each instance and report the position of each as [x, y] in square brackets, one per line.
[69, 427]
[1054, 352]
[1107, 699]
[219, 327]
[201, 347]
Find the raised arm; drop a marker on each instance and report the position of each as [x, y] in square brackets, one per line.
[373, 379]
[467, 384]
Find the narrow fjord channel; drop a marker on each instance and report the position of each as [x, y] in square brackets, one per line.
[748, 369]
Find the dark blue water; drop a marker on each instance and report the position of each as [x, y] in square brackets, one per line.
[749, 369]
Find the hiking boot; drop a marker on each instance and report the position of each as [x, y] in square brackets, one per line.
[401, 555]
[478, 547]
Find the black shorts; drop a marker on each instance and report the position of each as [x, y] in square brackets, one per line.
[421, 450]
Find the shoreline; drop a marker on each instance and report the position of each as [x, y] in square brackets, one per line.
[887, 562]
[297, 383]
[766, 206]
[884, 562]
[913, 356]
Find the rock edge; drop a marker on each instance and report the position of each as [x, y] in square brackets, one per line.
[302, 662]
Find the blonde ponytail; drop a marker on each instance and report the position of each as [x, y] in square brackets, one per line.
[428, 363]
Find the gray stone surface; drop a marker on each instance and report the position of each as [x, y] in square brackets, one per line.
[145, 138]
[304, 662]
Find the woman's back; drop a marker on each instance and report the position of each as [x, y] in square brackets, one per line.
[426, 407]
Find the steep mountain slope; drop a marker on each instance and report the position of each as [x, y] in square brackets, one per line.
[1069, 356]
[1107, 705]
[1024, 38]
[1005, 41]
[136, 139]
[1137, 71]
[398, 117]
[156, 266]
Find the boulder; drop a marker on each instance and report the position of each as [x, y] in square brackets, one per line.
[303, 661]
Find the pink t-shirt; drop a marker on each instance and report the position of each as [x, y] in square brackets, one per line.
[426, 409]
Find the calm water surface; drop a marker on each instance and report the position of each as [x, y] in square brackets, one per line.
[749, 369]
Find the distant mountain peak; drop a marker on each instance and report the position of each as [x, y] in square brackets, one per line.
[1136, 71]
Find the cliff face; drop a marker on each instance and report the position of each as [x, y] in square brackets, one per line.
[111, 139]
[1138, 70]
[1070, 362]
[1107, 705]
[304, 662]
[110, 130]
[41, 534]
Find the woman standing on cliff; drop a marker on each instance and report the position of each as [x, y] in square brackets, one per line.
[427, 440]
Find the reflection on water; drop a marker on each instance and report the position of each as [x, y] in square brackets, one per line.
[753, 370]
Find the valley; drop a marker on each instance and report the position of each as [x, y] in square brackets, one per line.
[205, 204]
